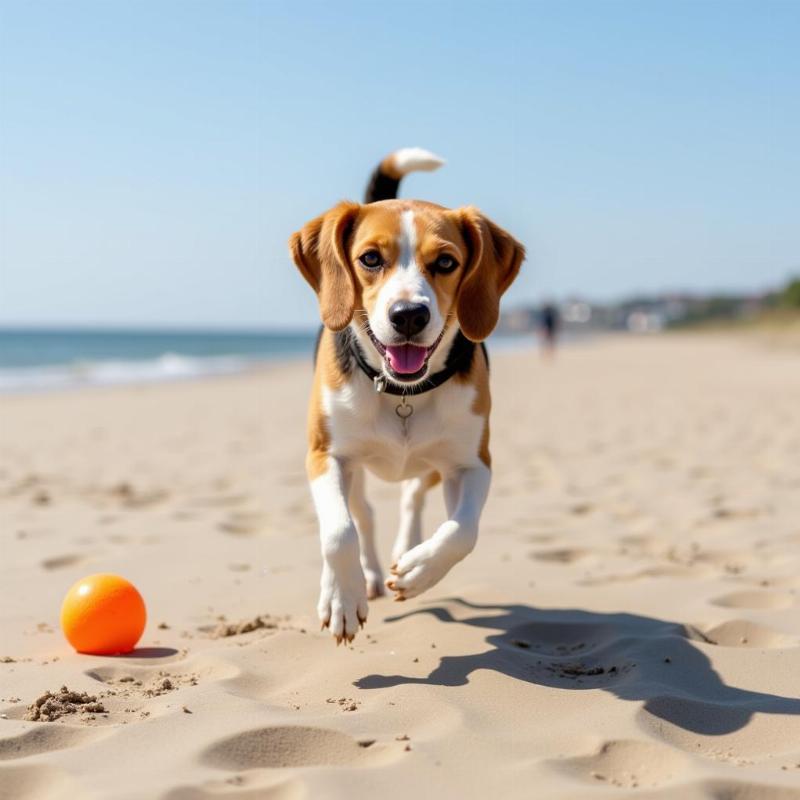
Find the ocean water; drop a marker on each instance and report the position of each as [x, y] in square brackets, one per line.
[49, 358]
[41, 359]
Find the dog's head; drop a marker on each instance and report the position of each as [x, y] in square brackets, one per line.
[406, 275]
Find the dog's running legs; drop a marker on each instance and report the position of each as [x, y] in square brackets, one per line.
[365, 525]
[343, 599]
[412, 500]
[427, 563]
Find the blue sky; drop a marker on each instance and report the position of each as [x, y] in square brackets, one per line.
[155, 156]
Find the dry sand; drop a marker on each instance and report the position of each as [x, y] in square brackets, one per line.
[628, 625]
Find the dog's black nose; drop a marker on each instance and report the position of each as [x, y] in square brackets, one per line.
[409, 318]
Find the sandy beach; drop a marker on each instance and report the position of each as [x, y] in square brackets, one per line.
[627, 626]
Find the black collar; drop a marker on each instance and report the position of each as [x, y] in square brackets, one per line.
[459, 361]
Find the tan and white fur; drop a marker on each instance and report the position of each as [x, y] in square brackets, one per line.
[412, 287]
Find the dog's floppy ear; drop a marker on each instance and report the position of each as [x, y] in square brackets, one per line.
[319, 252]
[495, 259]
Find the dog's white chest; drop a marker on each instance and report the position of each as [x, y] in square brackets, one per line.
[437, 430]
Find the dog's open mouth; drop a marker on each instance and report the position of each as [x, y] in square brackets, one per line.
[405, 362]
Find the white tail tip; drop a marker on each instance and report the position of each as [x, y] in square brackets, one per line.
[413, 159]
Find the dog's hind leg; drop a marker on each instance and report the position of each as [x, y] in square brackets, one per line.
[412, 500]
[365, 525]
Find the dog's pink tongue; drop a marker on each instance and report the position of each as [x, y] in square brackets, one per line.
[406, 359]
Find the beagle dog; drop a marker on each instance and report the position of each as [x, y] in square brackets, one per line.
[408, 291]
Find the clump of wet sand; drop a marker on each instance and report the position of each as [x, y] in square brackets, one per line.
[53, 705]
[225, 629]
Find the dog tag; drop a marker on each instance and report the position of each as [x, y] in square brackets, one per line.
[404, 410]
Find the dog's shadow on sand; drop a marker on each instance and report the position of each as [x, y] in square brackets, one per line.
[634, 657]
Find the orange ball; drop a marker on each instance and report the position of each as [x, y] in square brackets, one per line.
[103, 615]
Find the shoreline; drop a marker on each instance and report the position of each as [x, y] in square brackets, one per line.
[179, 368]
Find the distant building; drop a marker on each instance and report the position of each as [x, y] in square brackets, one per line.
[642, 314]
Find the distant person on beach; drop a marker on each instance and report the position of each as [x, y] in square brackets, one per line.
[548, 326]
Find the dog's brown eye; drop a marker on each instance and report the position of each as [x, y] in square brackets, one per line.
[444, 263]
[371, 259]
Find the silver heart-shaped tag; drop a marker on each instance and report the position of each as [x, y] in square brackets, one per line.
[404, 411]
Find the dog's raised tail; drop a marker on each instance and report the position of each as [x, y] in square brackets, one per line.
[385, 180]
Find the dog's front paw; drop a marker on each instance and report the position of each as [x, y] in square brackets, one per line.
[426, 564]
[418, 570]
[342, 603]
